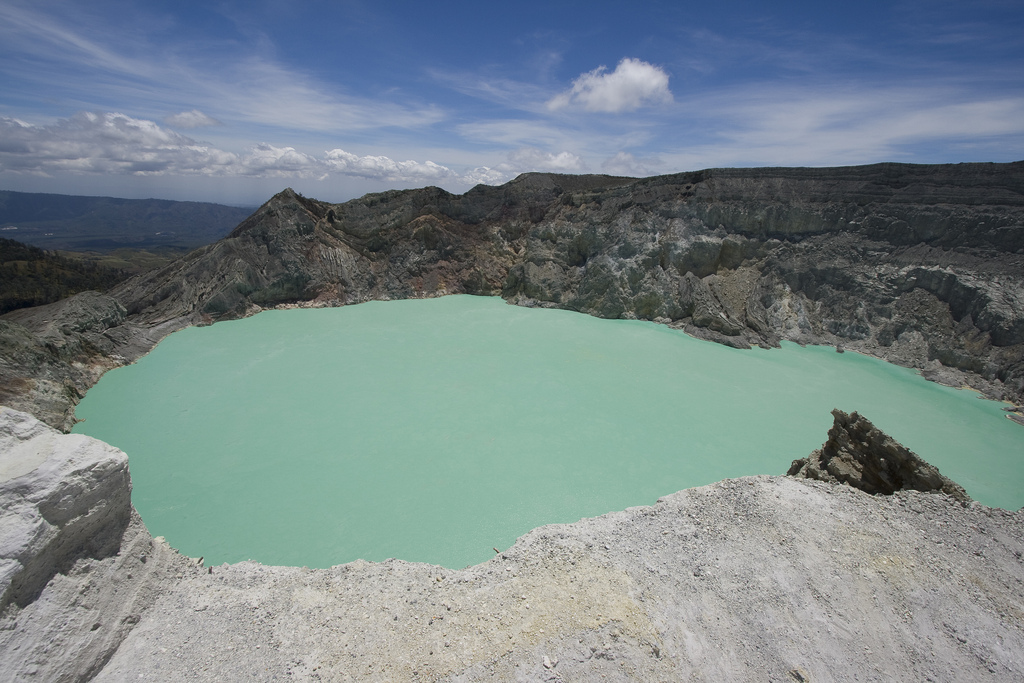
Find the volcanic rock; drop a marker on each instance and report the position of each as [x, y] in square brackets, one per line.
[920, 265]
[860, 455]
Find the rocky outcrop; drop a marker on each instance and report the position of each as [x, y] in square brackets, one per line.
[50, 355]
[919, 265]
[63, 498]
[752, 579]
[860, 455]
[77, 566]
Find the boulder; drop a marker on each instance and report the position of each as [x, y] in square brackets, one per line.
[859, 454]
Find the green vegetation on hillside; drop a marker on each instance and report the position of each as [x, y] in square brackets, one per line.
[132, 261]
[30, 276]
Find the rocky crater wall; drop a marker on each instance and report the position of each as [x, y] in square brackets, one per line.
[920, 265]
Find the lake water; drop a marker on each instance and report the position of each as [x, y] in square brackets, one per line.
[435, 430]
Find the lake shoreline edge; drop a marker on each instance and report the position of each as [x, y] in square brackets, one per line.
[723, 581]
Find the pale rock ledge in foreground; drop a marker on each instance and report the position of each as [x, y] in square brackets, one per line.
[753, 579]
[62, 497]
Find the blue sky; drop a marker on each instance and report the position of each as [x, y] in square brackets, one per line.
[232, 101]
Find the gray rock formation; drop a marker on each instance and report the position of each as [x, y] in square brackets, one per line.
[50, 355]
[63, 497]
[77, 566]
[920, 265]
[752, 579]
[859, 454]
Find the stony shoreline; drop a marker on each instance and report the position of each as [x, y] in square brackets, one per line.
[759, 578]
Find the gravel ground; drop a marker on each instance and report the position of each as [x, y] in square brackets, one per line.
[761, 578]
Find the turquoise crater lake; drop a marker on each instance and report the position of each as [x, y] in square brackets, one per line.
[435, 430]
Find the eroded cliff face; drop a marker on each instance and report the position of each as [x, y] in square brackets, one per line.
[921, 265]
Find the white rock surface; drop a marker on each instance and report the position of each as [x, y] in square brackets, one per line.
[69, 545]
[62, 496]
[754, 579]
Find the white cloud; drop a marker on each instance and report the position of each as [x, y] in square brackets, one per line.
[626, 164]
[91, 61]
[821, 128]
[191, 119]
[265, 160]
[498, 90]
[103, 143]
[633, 84]
[516, 133]
[532, 159]
[484, 175]
[117, 144]
[37, 34]
[262, 92]
[383, 168]
[524, 160]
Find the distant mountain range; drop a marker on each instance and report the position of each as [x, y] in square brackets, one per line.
[74, 223]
